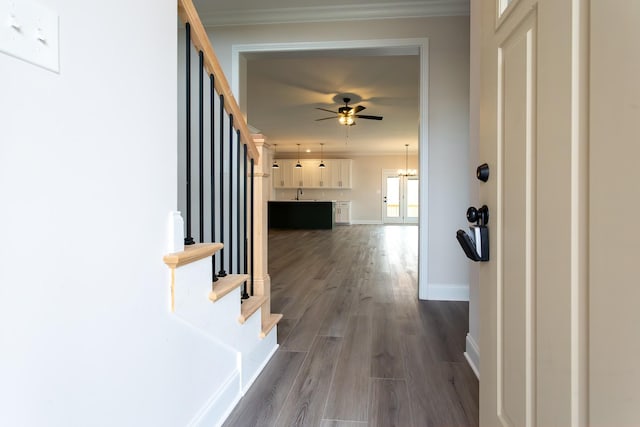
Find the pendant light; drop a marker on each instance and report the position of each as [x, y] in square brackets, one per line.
[406, 171]
[275, 164]
[321, 165]
[298, 165]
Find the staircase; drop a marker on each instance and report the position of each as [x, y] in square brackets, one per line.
[220, 286]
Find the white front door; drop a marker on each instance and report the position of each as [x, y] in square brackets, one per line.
[532, 291]
[400, 198]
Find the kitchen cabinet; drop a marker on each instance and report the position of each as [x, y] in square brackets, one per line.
[340, 170]
[283, 176]
[301, 215]
[336, 174]
[343, 212]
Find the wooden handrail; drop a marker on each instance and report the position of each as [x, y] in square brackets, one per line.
[199, 38]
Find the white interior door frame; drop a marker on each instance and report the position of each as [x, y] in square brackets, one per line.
[422, 46]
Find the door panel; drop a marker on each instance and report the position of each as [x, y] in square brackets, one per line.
[391, 198]
[530, 290]
[515, 80]
[412, 199]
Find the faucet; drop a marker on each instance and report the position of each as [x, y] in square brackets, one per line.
[298, 193]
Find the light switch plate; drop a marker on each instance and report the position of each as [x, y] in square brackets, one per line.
[30, 31]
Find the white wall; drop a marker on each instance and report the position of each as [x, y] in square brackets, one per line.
[448, 126]
[87, 180]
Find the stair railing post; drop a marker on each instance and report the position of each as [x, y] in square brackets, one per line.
[245, 294]
[231, 150]
[252, 216]
[239, 201]
[222, 272]
[212, 170]
[188, 240]
[201, 145]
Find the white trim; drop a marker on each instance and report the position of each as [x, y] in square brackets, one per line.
[472, 354]
[220, 404]
[447, 292]
[366, 222]
[263, 364]
[423, 134]
[348, 12]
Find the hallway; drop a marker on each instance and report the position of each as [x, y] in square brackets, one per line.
[357, 348]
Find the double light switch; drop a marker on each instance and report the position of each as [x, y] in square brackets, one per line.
[29, 31]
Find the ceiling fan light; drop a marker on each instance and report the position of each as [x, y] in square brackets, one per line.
[298, 165]
[275, 165]
[321, 165]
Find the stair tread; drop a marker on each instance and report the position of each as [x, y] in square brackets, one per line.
[274, 318]
[250, 306]
[226, 284]
[191, 254]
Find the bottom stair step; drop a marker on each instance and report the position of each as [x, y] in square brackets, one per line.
[273, 321]
[250, 306]
[226, 284]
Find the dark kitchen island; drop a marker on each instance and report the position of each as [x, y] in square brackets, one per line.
[302, 214]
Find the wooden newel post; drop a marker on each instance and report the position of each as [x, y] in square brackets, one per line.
[262, 192]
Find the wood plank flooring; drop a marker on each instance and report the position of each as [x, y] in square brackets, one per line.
[357, 347]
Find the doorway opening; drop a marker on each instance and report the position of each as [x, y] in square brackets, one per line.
[242, 54]
[400, 198]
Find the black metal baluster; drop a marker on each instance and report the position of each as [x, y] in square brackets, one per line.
[222, 272]
[213, 170]
[239, 201]
[230, 245]
[201, 145]
[188, 240]
[253, 184]
[245, 295]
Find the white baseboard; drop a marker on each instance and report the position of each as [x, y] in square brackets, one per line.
[261, 367]
[472, 354]
[445, 292]
[365, 222]
[220, 405]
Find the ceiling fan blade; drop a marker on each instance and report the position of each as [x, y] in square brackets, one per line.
[359, 108]
[328, 111]
[361, 116]
[327, 118]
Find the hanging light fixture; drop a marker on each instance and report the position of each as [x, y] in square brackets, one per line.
[406, 171]
[298, 165]
[321, 165]
[275, 164]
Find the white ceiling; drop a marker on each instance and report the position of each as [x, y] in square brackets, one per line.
[284, 89]
[283, 94]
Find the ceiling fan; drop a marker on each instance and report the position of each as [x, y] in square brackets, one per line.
[346, 115]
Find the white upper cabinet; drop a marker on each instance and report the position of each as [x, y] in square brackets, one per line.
[341, 173]
[283, 176]
[336, 174]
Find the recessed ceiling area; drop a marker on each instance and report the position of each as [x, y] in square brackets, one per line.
[285, 89]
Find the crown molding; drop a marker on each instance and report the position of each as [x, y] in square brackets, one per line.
[336, 13]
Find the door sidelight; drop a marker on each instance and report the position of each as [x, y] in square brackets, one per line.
[475, 243]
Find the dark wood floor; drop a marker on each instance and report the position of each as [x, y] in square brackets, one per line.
[357, 348]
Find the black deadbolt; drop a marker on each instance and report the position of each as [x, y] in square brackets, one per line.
[482, 172]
